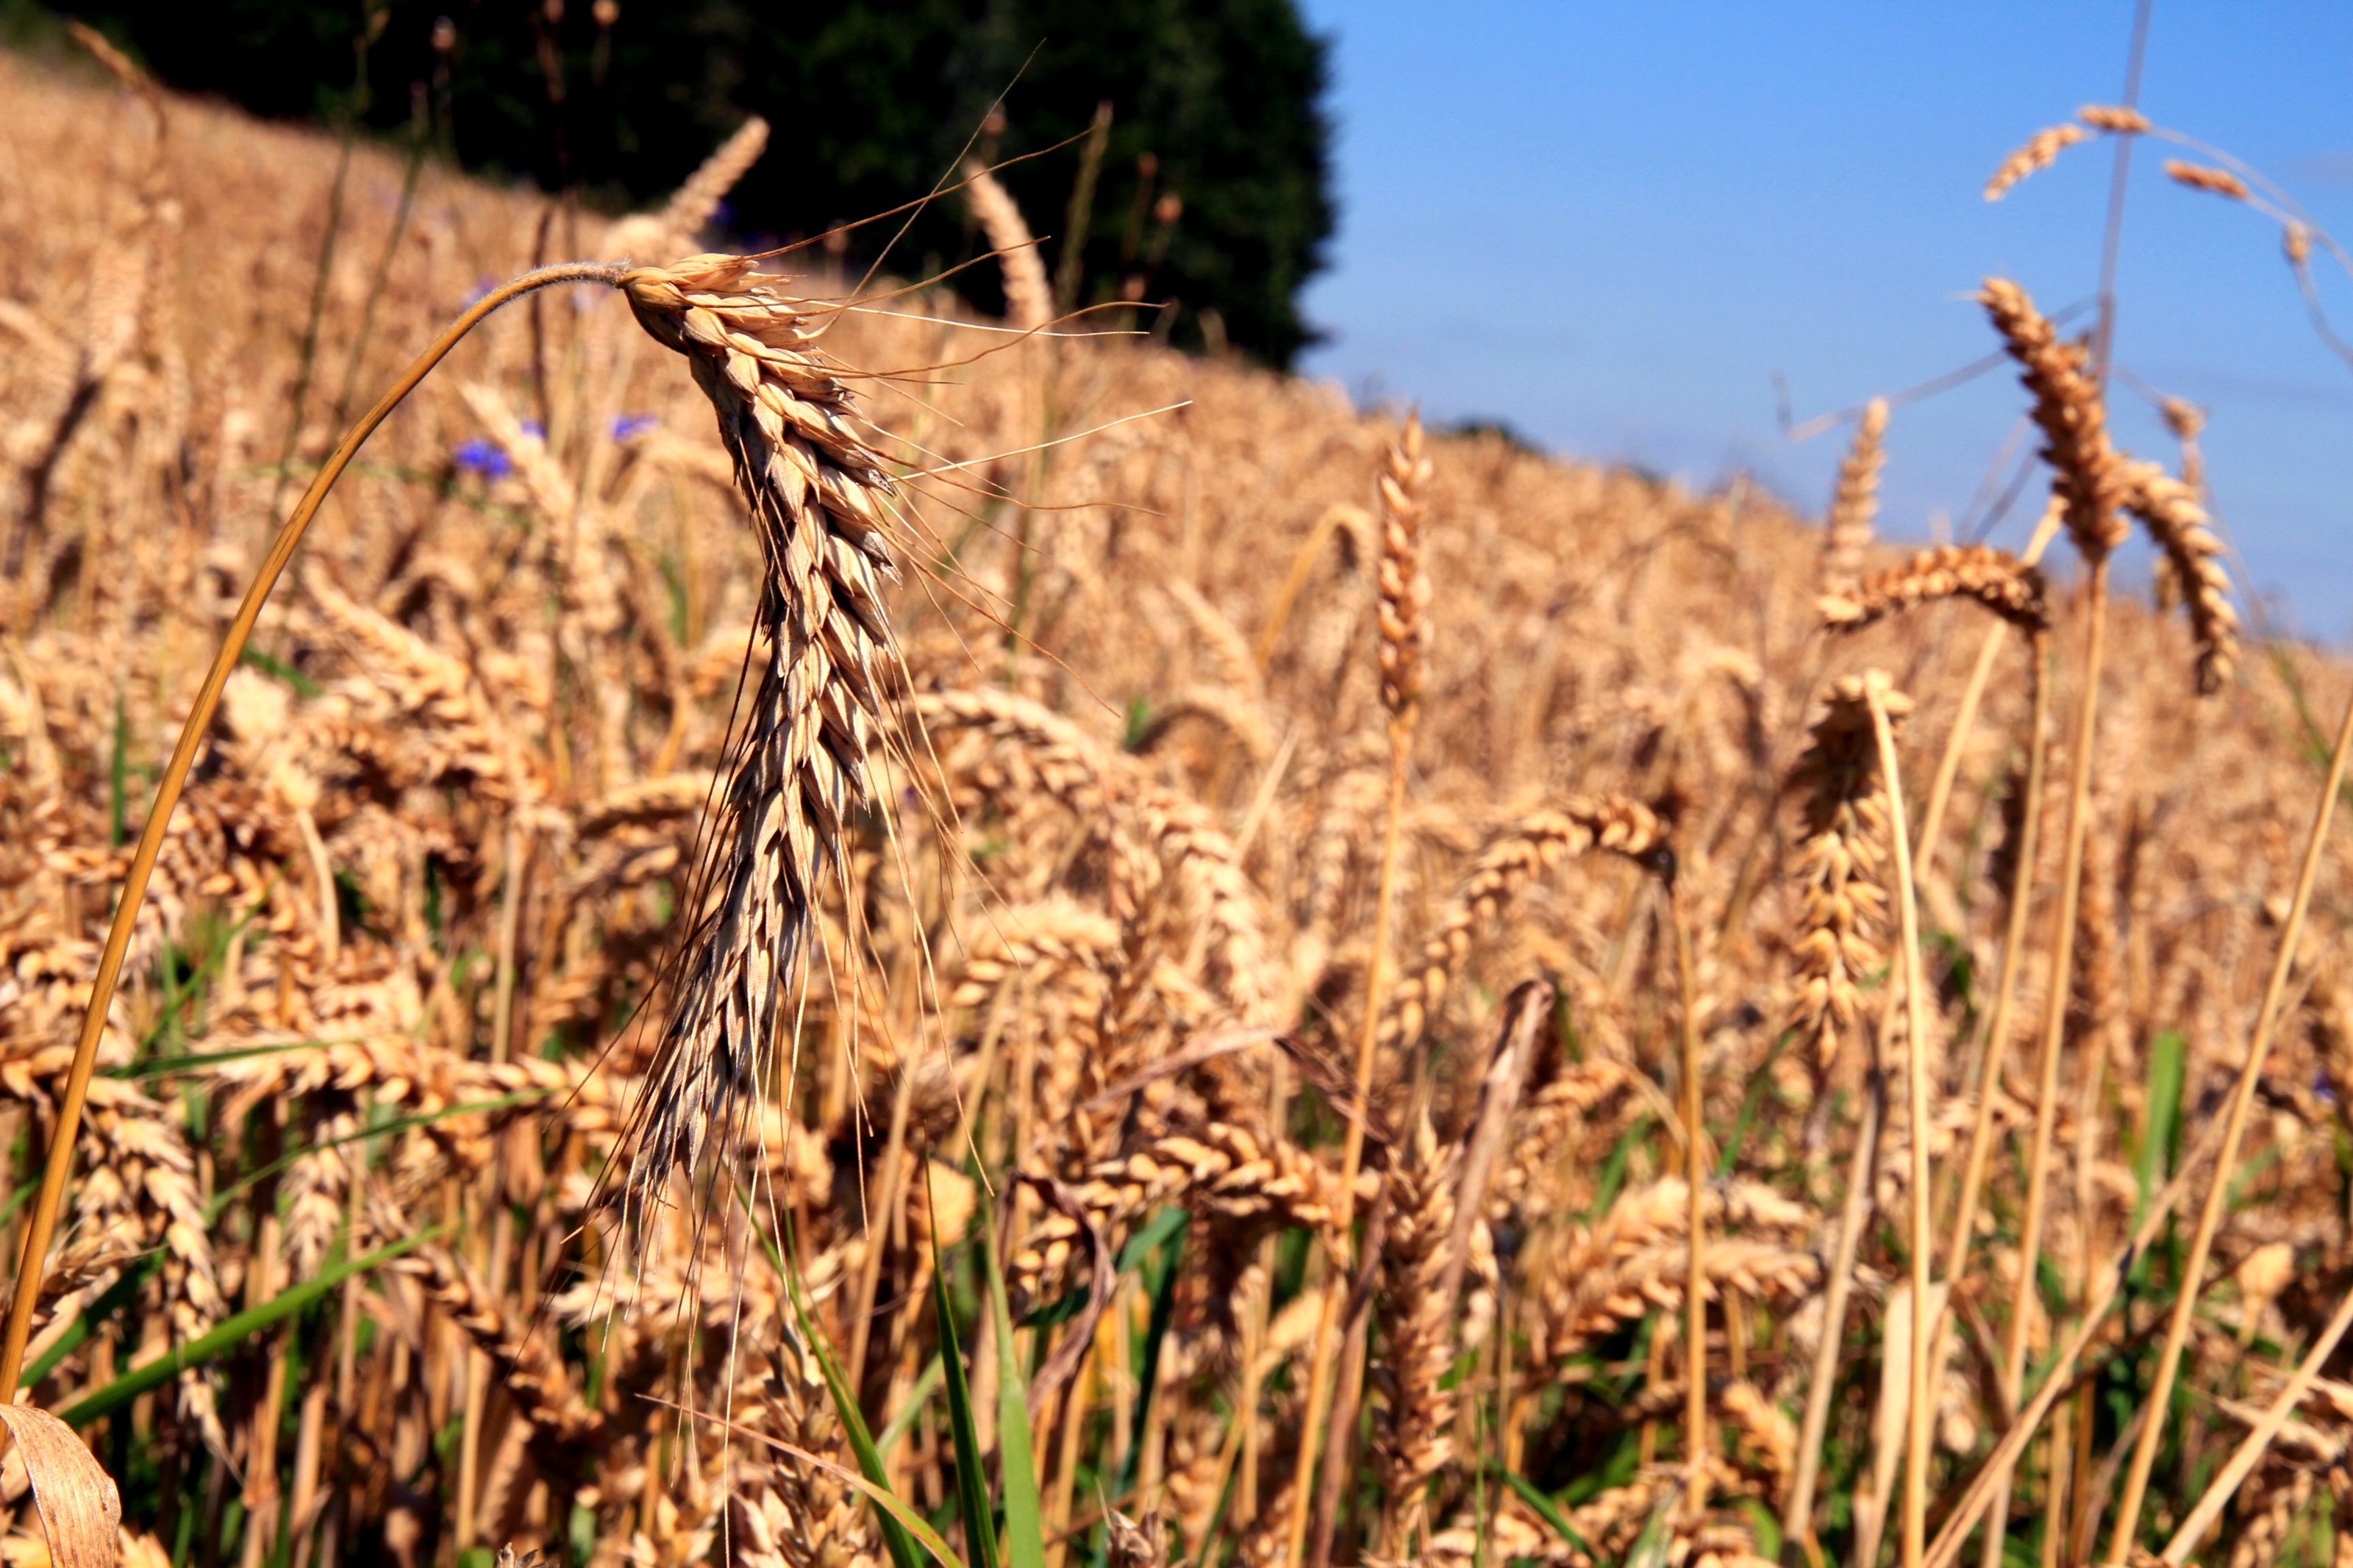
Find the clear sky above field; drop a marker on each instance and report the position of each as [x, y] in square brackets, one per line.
[1610, 225]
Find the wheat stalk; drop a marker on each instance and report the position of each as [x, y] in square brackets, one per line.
[175, 777]
[1403, 615]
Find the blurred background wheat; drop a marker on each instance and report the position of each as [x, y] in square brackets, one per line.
[1374, 995]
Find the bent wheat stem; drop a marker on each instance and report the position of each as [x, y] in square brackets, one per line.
[1916, 1479]
[43, 1226]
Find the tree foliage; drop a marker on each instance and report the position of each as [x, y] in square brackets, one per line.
[1210, 179]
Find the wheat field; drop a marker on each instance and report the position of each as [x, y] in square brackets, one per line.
[1041, 950]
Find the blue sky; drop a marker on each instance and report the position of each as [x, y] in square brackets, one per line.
[1610, 225]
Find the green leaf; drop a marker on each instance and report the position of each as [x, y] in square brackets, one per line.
[1651, 1547]
[926, 1383]
[2164, 1100]
[972, 1495]
[1544, 1508]
[280, 670]
[1763, 1526]
[888, 1508]
[1025, 1537]
[231, 1332]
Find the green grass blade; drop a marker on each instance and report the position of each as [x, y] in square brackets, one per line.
[1544, 1508]
[1649, 1549]
[231, 1332]
[1025, 1536]
[972, 1492]
[195, 1061]
[888, 1506]
[926, 1383]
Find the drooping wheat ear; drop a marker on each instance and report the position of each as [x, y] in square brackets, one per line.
[1028, 295]
[672, 226]
[2168, 509]
[1994, 578]
[1842, 902]
[523, 1354]
[1415, 1440]
[2073, 419]
[1222, 1172]
[2042, 150]
[1627, 827]
[1404, 581]
[818, 495]
[2204, 177]
[1847, 530]
[2114, 117]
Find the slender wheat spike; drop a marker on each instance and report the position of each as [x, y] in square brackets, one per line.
[2074, 421]
[2042, 150]
[1842, 901]
[1404, 582]
[2169, 510]
[1029, 294]
[819, 495]
[1847, 531]
[1994, 578]
[2205, 178]
[1403, 615]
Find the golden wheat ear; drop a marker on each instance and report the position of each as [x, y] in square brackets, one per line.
[819, 497]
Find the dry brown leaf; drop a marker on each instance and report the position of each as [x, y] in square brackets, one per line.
[81, 1514]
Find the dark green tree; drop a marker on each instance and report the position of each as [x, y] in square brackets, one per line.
[1201, 192]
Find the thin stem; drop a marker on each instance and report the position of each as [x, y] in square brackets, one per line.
[1797, 1516]
[1948, 766]
[2014, 951]
[1695, 1435]
[2054, 1017]
[1352, 1158]
[1916, 1477]
[2243, 1098]
[174, 777]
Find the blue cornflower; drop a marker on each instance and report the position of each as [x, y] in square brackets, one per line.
[628, 427]
[534, 429]
[481, 291]
[485, 457]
